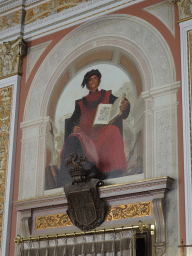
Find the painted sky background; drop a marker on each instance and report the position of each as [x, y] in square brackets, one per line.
[112, 78]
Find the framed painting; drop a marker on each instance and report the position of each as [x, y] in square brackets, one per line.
[114, 150]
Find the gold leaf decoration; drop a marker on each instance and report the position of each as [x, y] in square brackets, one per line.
[5, 117]
[10, 20]
[44, 10]
[53, 221]
[129, 211]
[115, 213]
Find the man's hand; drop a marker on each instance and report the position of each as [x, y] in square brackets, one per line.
[124, 105]
[76, 129]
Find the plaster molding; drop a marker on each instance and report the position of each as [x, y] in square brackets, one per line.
[164, 11]
[34, 122]
[29, 2]
[159, 91]
[29, 177]
[9, 4]
[184, 28]
[165, 148]
[33, 55]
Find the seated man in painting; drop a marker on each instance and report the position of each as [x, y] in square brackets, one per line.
[103, 146]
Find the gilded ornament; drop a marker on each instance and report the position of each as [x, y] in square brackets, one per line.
[52, 221]
[184, 8]
[5, 116]
[11, 19]
[114, 213]
[11, 57]
[49, 8]
[129, 211]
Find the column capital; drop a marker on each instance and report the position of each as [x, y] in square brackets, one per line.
[11, 57]
[184, 8]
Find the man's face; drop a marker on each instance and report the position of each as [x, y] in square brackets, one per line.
[93, 83]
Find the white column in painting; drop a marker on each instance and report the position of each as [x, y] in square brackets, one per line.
[13, 81]
[184, 28]
[148, 139]
[143, 116]
[32, 177]
[140, 123]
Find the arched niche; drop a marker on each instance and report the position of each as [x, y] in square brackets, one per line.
[113, 56]
[117, 79]
[125, 41]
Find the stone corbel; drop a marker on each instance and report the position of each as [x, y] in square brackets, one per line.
[26, 222]
[160, 227]
[11, 57]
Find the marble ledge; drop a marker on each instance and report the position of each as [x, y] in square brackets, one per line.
[151, 189]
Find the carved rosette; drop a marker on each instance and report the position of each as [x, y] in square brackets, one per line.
[11, 57]
[5, 115]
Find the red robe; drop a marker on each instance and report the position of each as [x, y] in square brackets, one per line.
[101, 145]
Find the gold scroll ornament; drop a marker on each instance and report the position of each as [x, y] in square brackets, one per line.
[5, 117]
[115, 213]
[44, 10]
[11, 19]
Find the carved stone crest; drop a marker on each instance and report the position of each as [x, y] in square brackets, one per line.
[85, 208]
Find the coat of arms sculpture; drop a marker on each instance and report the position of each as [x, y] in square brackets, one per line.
[85, 208]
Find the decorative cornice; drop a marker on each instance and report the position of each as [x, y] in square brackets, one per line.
[153, 186]
[51, 13]
[9, 4]
[36, 210]
[49, 8]
[11, 57]
[11, 20]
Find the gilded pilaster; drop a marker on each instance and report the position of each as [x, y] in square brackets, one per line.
[5, 118]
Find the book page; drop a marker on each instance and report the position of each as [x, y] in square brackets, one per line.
[115, 111]
[102, 115]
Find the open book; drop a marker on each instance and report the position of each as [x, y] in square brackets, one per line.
[108, 113]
